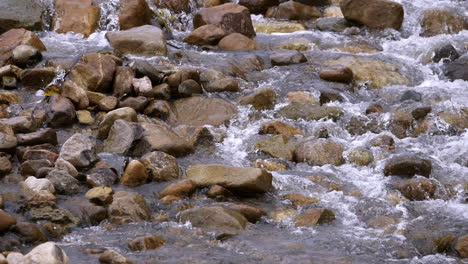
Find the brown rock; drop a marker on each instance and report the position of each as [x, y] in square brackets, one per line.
[6, 221]
[205, 35]
[261, 99]
[146, 243]
[378, 14]
[47, 135]
[337, 74]
[237, 42]
[218, 191]
[29, 232]
[298, 199]
[181, 189]
[108, 103]
[301, 97]
[320, 152]
[158, 108]
[314, 217]
[417, 189]
[211, 3]
[270, 165]
[135, 174]
[94, 72]
[125, 113]
[258, 6]
[101, 177]
[408, 166]
[279, 146]
[100, 195]
[230, 17]
[5, 166]
[79, 16]
[37, 78]
[14, 38]
[161, 166]
[278, 127]
[123, 81]
[134, 13]
[128, 207]
[252, 214]
[292, 10]
[75, 93]
[111, 256]
[442, 21]
[61, 111]
[461, 246]
[145, 40]
[137, 103]
[177, 6]
[170, 199]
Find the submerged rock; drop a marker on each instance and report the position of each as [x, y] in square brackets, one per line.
[378, 14]
[442, 21]
[6, 221]
[279, 146]
[146, 243]
[287, 57]
[408, 166]
[261, 99]
[278, 127]
[337, 74]
[309, 112]
[417, 189]
[240, 180]
[320, 152]
[111, 256]
[314, 217]
[223, 222]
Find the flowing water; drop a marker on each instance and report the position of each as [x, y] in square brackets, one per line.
[363, 193]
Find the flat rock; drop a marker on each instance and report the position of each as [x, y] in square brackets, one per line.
[144, 40]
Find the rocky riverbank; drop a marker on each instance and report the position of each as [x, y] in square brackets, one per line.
[250, 131]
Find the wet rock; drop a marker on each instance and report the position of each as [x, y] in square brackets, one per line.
[161, 166]
[100, 195]
[212, 3]
[75, 93]
[38, 153]
[94, 72]
[40, 137]
[128, 207]
[37, 78]
[7, 142]
[7, 98]
[69, 16]
[64, 165]
[158, 137]
[374, 14]
[215, 81]
[47, 252]
[230, 17]
[270, 165]
[279, 146]
[278, 127]
[25, 55]
[177, 6]
[258, 6]
[21, 124]
[6, 129]
[240, 180]
[287, 57]
[14, 38]
[333, 24]
[237, 42]
[146, 243]
[302, 97]
[408, 166]
[218, 191]
[123, 81]
[134, 13]
[445, 53]
[292, 10]
[111, 256]
[125, 113]
[29, 232]
[421, 112]
[314, 217]
[252, 214]
[5, 166]
[261, 99]
[137, 103]
[361, 157]
[441, 21]
[457, 69]
[94, 97]
[383, 141]
[320, 152]
[135, 174]
[63, 182]
[88, 213]
[121, 137]
[270, 26]
[205, 35]
[20, 14]
[417, 189]
[145, 40]
[101, 176]
[309, 112]
[48, 211]
[181, 189]
[79, 150]
[461, 246]
[159, 109]
[6, 221]
[84, 117]
[298, 199]
[200, 111]
[108, 103]
[337, 74]
[411, 95]
[221, 221]
[189, 87]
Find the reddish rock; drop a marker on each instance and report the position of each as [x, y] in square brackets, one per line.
[134, 13]
[377, 14]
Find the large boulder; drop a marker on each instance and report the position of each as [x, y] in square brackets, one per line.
[94, 72]
[124, 113]
[128, 207]
[221, 221]
[240, 180]
[200, 111]
[158, 137]
[79, 16]
[408, 166]
[292, 10]
[20, 14]
[230, 17]
[15, 38]
[320, 152]
[309, 112]
[442, 21]
[258, 6]
[144, 40]
[378, 14]
[46, 253]
[79, 150]
[134, 13]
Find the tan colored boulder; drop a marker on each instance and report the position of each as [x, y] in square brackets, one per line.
[48, 252]
[94, 72]
[320, 152]
[237, 42]
[161, 166]
[232, 18]
[337, 74]
[261, 99]
[240, 180]
[442, 21]
[111, 256]
[377, 14]
[75, 93]
[279, 146]
[79, 16]
[100, 195]
[205, 35]
[314, 217]
[253, 214]
[128, 207]
[292, 10]
[181, 189]
[25, 14]
[298, 199]
[135, 174]
[134, 13]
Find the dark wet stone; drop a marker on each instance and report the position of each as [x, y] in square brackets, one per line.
[146, 243]
[445, 53]
[408, 166]
[411, 95]
[421, 112]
